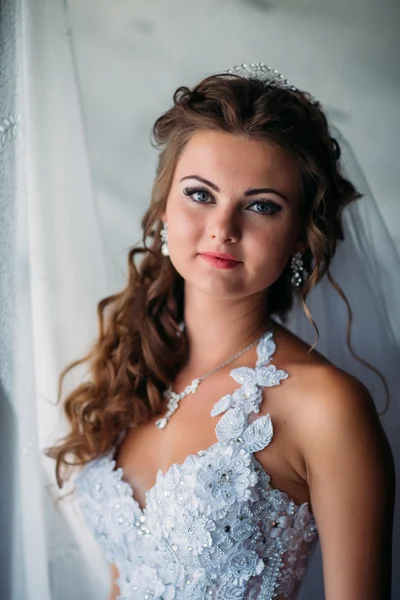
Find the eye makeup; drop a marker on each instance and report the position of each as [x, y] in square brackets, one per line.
[270, 208]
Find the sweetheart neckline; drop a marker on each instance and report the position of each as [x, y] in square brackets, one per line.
[119, 471]
[111, 507]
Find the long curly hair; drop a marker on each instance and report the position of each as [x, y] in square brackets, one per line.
[138, 352]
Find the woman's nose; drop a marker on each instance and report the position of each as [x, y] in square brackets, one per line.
[224, 227]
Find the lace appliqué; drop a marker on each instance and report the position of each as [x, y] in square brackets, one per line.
[212, 527]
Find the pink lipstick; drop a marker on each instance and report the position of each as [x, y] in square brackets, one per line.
[220, 260]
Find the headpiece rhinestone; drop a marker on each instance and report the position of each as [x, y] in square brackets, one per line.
[263, 72]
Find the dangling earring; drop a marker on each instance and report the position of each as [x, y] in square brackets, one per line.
[297, 268]
[164, 238]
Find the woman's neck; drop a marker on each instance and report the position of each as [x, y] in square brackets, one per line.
[218, 328]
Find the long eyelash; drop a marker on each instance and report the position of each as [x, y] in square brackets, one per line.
[275, 208]
[193, 190]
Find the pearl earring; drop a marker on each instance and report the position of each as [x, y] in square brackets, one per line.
[164, 238]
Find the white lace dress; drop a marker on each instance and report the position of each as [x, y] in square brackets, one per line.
[212, 527]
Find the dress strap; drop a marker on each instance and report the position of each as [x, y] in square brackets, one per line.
[247, 399]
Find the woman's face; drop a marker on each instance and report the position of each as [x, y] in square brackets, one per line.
[233, 195]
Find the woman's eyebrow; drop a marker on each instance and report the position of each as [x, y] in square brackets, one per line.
[212, 185]
[254, 192]
[250, 192]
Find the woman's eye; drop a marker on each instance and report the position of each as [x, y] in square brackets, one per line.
[203, 196]
[267, 208]
[199, 195]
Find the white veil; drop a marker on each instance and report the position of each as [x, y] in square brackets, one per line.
[360, 267]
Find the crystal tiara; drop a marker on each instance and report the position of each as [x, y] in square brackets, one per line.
[261, 71]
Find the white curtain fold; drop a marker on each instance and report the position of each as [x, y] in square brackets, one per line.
[52, 276]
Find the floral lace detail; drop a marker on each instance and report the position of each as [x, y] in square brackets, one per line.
[213, 526]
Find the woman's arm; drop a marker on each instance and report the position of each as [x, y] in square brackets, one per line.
[115, 589]
[350, 473]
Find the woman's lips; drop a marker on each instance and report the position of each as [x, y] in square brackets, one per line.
[220, 263]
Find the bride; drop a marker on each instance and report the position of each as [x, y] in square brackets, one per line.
[218, 447]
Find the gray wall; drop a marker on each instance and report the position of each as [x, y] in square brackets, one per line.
[131, 55]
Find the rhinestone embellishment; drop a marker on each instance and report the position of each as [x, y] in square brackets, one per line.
[210, 524]
[263, 72]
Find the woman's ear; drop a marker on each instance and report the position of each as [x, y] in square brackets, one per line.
[301, 247]
[301, 243]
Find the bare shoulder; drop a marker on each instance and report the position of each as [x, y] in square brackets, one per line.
[333, 398]
[331, 409]
[336, 407]
[327, 395]
[349, 472]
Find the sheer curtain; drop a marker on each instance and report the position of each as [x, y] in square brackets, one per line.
[52, 274]
[51, 277]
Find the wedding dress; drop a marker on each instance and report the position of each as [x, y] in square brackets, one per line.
[212, 527]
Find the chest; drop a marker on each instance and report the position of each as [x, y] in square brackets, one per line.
[146, 449]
